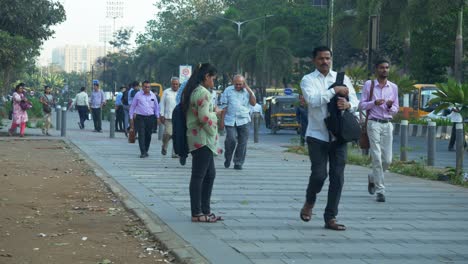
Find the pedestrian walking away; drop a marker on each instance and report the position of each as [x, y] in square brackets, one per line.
[380, 100]
[236, 101]
[323, 147]
[144, 113]
[47, 101]
[202, 138]
[456, 118]
[119, 111]
[167, 105]
[20, 107]
[256, 115]
[82, 105]
[98, 100]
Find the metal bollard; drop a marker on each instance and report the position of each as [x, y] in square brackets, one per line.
[460, 145]
[63, 131]
[161, 129]
[404, 140]
[256, 124]
[431, 143]
[59, 117]
[112, 124]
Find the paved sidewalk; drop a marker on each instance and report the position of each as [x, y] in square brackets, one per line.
[421, 222]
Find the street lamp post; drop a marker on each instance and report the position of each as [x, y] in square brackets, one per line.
[114, 11]
[239, 24]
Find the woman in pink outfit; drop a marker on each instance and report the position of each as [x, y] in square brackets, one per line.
[20, 116]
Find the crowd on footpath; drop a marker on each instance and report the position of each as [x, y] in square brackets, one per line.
[193, 114]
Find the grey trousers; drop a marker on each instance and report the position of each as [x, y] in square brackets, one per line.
[236, 139]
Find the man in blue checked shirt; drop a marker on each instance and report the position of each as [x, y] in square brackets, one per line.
[236, 102]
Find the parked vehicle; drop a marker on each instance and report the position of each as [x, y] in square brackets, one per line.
[418, 101]
[280, 113]
[158, 89]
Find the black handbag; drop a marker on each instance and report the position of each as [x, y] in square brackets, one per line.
[343, 125]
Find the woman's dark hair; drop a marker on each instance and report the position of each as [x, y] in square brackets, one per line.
[20, 85]
[198, 76]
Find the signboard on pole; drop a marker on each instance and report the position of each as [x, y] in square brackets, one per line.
[288, 91]
[185, 71]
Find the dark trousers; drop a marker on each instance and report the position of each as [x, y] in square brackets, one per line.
[201, 182]
[82, 113]
[96, 112]
[320, 153]
[144, 126]
[453, 137]
[119, 118]
[236, 139]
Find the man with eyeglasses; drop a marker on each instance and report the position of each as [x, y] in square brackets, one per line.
[144, 112]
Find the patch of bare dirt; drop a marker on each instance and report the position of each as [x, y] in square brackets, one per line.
[55, 210]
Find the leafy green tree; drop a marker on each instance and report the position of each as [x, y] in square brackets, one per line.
[121, 39]
[24, 26]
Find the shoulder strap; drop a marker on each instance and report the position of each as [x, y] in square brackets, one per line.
[340, 78]
[370, 98]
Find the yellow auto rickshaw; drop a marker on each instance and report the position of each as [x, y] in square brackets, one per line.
[280, 112]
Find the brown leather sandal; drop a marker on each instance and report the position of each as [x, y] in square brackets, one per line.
[306, 212]
[204, 219]
[213, 216]
[331, 224]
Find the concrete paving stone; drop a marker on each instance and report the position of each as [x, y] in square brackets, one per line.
[267, 261]
[422, 221]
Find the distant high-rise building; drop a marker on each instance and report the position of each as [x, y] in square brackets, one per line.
[72, 58]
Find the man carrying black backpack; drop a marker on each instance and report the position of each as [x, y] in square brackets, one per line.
[323, 147]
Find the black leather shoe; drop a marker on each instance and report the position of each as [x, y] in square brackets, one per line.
[238, 167]
[380, 198]
[227, 164]
[182, 160]
[370, 186]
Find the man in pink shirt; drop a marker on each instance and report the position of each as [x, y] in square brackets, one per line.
[144, 112]
[381, 105]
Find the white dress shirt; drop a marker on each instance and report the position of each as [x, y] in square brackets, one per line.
[81, 99]
[256, 109]
[317, 95]
[168, 103]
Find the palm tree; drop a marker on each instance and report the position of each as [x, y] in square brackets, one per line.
[451, 94]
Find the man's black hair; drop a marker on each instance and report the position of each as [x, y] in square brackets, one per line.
[321, 49]
[381, 61]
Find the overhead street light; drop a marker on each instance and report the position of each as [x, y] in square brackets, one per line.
[239, 24]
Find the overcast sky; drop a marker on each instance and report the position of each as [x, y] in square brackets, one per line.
[84, 18]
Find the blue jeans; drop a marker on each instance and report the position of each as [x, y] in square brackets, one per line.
[236, 139]
[126, 109]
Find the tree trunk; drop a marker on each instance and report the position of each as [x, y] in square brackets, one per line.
[458, 67]
[6, 80]
[407, 51]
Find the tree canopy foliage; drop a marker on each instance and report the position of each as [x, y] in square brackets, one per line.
[24, 26]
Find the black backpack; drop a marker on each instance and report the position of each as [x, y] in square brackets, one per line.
[125, 98]
[179, 133]
[341, 124]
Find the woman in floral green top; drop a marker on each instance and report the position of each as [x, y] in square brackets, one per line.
[202, 139]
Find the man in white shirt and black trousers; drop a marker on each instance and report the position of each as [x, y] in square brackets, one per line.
[323, 147]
